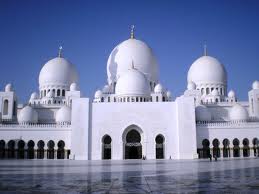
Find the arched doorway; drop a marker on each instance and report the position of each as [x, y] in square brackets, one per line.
[61, 150]
[50, 151]
[40, 150]
[246, 148]
[216, 150]
[159, 147]
[256, 146]
[133, 147]
[226, 149]
[236, 148]
[20, 154]
[2, 149]
[106, 146]
[30, 151]
[205, 148]
[11, 149]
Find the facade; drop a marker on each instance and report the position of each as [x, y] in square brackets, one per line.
[133, 116]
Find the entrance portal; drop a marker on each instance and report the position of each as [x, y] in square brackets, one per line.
[133, 147]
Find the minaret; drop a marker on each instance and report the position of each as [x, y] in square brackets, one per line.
[60, 51]
[132, 36]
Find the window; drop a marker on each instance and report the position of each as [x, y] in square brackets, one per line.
[157, 98]
[5, 111]
[63, 92]
[58, 92]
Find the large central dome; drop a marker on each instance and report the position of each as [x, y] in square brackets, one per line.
[121, 58]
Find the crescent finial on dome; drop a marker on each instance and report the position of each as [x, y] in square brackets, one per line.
[60, 51]
[132, 35]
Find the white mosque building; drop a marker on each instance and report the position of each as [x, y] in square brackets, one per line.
[133, 116]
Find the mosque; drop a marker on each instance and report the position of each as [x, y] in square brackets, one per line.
[133, 116]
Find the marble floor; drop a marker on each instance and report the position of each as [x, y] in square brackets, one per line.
[131, 176]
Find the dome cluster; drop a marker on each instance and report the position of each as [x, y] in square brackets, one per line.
[238, 113]
[63, 115]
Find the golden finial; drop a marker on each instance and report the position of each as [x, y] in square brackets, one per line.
[60, 51]
[205, 52]
[132, 36]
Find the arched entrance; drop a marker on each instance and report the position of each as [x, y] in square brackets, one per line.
[106, 146]
[246, 148]
[2, 149]
[133, 147]
[30, 151]
[226, 149]
[61, 150]
[159, 147]
[40, 150]
[216, 149]
[205, 148]
[11, 149]
[236, 148]
[20, 154]
[50, 151]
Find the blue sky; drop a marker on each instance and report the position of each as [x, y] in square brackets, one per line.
[32, 31]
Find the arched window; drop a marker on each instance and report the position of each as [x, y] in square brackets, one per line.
[50, 151]
[40, 150]
[256, 146]
[2, 149]
[136, 99]
[109, 99]
[216, 150]
[140, 99]
[58, 92]
[30, 151]
[207, 90]
[54, 92]
[159, 147]
[157, 98]
[61, 150]
[45, 93]
[236, 148]
[63, 92]
[106, 146]
[163, 99]
[102, 99]
[246, 148]
[20, 154]
[5, 111]
[226, 149]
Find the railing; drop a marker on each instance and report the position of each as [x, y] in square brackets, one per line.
[35, 126]
[227, 124]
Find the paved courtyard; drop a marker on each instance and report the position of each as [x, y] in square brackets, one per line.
[132, 176]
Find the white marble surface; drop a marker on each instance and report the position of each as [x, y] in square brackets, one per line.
[132, 176]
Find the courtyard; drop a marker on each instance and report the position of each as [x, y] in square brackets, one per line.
[129, 176]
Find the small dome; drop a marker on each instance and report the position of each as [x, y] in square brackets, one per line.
[63, 115]
[202, 113]
[238, 113]
[28, 115]
[159, 88]
[133, 83]
[191, 86]
[215, 92]
[58, 71]
[130, 50]
[207, 70]
[168, 94]
[255, 85]
[98, 94]
[34, 96]
[73, 87]
[8, 88]
[50, 94]
[231, 94]
[106, 89]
